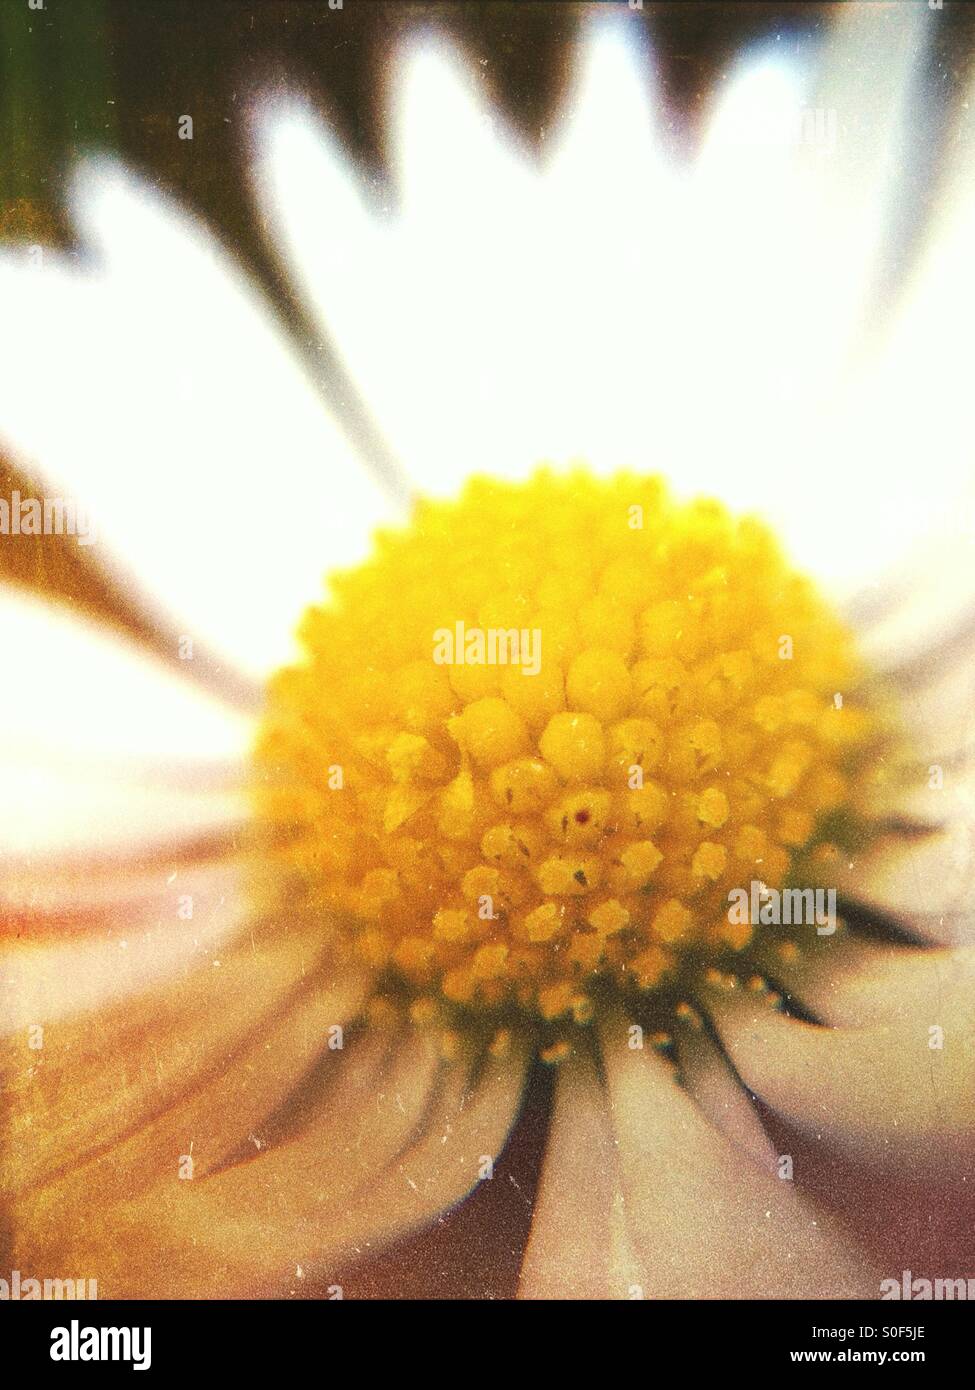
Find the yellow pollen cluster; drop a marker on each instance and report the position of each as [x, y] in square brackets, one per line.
[541, 735]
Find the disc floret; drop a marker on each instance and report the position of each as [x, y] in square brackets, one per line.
[543, 733]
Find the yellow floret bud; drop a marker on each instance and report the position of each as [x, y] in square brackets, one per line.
[574, 744]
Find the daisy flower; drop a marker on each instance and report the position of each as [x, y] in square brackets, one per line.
[289, 924]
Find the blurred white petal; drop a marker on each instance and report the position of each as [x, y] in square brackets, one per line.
[940, 719]
[102, 746]
[140, 943]
[720, 319]
[385, 1136]
[71, 686]
[152, 385]
[47, 810]
[925, 601]
[200, 1070]
[419, 301]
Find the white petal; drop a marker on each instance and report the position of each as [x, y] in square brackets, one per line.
[419, 301]
[938, 795]
[73, 687]
[102, 746]
[936, 703]
[607, 293]
[587, 309]
[48, 812]
[184, 1011]
[849, 982]
[482, 294]
[797, 169]
[149, 930]
[381, 1137]
[912, 410]
[924, 882]
[928, 612]
[705, 1221]
[469, 1122]
[183, 422]
[578, 1247]
[899, 1093]
[122, 1102]
[706, 1075]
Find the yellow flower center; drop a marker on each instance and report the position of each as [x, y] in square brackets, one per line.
[540, 738]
